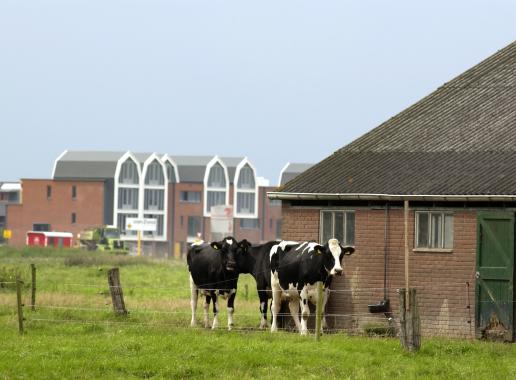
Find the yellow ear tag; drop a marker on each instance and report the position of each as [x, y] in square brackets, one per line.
[318, 251]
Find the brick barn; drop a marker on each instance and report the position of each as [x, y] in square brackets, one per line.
[452, 156]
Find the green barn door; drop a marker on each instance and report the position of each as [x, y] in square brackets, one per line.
[495, 274]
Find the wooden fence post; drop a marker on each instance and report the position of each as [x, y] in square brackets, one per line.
[410, 323]
[115, 289]
[19, 303]
[319, 311]
[33, 287]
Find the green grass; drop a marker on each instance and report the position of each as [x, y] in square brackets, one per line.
[154, 341]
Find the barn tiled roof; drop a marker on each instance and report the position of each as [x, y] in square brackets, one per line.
[460, 139]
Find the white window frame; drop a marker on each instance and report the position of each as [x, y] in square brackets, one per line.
[116, 211]
[213, 161]
[167, 159]
[431, 231]
[142, 211]
[254, 191]
[333, 211]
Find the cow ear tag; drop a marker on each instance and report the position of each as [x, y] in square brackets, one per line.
[318, 251]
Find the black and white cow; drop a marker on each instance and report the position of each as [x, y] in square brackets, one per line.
[295, 270]
[213, 273]
[255, 259]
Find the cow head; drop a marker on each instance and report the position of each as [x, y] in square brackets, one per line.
[228, 248]
[333, 253]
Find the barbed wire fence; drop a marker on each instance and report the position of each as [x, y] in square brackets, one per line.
[448, 317]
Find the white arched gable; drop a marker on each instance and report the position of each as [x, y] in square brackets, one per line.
[167, 159]
[153, 157]
[116, 210]
[56, 161]
[245, 163]
[214, 161]
[281, 172]
[154, 198]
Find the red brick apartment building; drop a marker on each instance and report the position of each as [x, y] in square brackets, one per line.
[105, 188]
[452, 156]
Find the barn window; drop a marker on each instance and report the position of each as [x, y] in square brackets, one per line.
[338, 225]
[434, 230]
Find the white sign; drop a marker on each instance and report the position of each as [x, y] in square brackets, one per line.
[145, 224]
[221, 222]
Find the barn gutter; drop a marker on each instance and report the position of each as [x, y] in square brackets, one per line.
[389, 197]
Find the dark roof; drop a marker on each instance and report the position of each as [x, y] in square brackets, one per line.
[291, 171]
[459, 140]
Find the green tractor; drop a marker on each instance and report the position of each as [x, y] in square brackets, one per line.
[106, 238]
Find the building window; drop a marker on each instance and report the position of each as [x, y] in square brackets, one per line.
[154, 175]
[121, 223]
[434, 230]
[127, 199]
[338, 225]
[245, 203]
[194, 226]
[249, 223]
[278, 229]
[215, 198]
[74, 192]
[246, 178]
[275, 202]
[216, 189]
[74, 218]
[217, 178]
[159, 226]
[154, 199]
[49, 191]
[41, 227]
[190, 197]
[128, 173]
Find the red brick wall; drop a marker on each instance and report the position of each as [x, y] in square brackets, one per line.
[439, 277]
[56, 210]
[183, 210]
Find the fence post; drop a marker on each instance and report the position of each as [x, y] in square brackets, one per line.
[410, 323]
[19, 303]
[115, 289]
[318, 310]
[33, 287]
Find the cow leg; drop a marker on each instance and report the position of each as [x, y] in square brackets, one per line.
[305, 311]
[215, 323]
[276, 302]
[325, 300]
[262, 294]
[207, 310]
[293, 305]
[194, 294]
[231, 308]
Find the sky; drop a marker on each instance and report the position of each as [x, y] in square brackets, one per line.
[276, 81]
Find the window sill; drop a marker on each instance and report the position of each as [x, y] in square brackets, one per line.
[432, 250]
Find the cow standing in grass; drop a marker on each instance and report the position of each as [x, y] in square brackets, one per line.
[295, 271]
[255, 259]
[213, 273]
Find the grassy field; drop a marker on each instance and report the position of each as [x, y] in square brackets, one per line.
[74, 334]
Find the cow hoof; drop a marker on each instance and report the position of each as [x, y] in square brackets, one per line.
[192, 324]
[230, 327]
